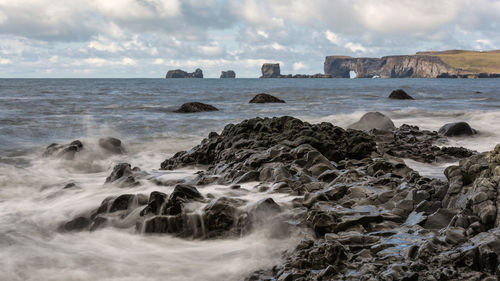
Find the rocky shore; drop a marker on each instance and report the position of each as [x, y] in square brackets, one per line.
[362, 212]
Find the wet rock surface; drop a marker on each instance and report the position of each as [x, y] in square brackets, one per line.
[400, 94]
[361, 212]
[65, 151]
[265, 98]
[373, 120]
[111, 145]
[193, 107]
[457, 129]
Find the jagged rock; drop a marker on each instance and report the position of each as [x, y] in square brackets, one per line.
[228, 74]
[178, 73]
[399, 94]
[457, 129]
[265, 98]
[112, 145]
[67, 151]
[373, 120]
[192, 107]
[122, 175]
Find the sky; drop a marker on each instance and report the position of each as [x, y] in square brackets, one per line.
[146, 38]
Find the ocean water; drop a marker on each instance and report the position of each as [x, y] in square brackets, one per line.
[37, 112]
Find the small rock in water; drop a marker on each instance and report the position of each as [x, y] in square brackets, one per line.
[265, 98]
[67, 151]
[400, 94]
[457, 129]
[112, 145]
[193, 107]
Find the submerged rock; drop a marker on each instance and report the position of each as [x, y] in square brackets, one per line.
[265, 98]
[400, 94]
[192, 107]
[373, 120]
[457, 129]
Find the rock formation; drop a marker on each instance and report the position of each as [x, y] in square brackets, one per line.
[362, 213]
[265, 98]
[400, 95]
[413, 66]
[272, 70]
[178, 73]
[228, 74]
[193, 107]
[457, 129]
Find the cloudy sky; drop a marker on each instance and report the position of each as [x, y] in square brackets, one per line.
[145, 38]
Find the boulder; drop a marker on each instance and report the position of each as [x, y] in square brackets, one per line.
[111, 145]
[457, 129]
[271, 70]
[400, 95]
[265, 98]
[373, 120]
[192, 107]
[228, 74]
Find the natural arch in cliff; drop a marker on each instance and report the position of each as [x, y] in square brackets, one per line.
[352, 74]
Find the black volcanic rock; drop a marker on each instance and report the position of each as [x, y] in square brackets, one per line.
[192, 107]
[265, 98]
[457, 129]
[271, 70]
[66, 151]
[228, 74]
[178, 73]
[399, 94]
[111, 145]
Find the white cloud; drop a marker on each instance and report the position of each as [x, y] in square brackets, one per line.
[297, 66]
[5, 61]
[332, 37]
[53, 59]
[355, 47]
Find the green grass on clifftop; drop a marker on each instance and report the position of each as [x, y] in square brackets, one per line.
[469, 61]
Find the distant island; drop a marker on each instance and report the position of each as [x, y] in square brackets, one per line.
[445, 64]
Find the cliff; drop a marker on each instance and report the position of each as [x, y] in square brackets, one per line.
[444, 64]
[413, 66]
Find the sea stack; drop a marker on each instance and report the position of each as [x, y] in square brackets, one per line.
[271, 70]
[179, 73]
[228, 74]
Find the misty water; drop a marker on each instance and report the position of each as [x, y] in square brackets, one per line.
[37, 112]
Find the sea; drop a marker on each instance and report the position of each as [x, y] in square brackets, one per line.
[35, 113]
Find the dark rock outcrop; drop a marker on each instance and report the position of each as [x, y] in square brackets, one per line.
[123, 175]
[178, 73]
[193, 107]
[373, 120]
[271, 70]
[265, 98]
[400, 95]
[111, 145]
[413, 66]
[457, 129]
[228, 74]
[66, 151]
